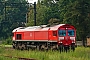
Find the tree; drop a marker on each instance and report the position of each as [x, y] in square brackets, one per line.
[72, 12]
[76, 13]
[13, 14]
[53, 21]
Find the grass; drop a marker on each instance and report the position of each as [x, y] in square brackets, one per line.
[81, 53]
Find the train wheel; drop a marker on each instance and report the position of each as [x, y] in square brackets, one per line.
[73, 47]
[54, 47]
[66, 48]
[20, 47]
[23, 47]
[41, 47]
[38, 47]
[61, 48]
[17, 46]
[13, 45]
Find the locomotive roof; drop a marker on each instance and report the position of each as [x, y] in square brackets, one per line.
[30, 28]
[56, 27]
[37, 28]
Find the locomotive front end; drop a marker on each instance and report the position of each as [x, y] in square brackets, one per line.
[66, 37]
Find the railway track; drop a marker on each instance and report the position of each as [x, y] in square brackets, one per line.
[18, 58]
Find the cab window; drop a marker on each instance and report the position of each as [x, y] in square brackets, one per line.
[62, 32]
[54, 33]
[70, 32]
[18, 36]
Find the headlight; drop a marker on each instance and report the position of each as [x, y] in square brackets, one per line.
[61, 38]
[72, 38]
[13, 38]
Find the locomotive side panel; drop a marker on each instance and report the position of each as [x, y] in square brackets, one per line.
[29, 35]
[53, 37]
[41, 35]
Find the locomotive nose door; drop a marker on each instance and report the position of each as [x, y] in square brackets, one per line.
[69, 38]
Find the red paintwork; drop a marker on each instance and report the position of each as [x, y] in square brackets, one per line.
[28, 35]
[44, 34]
[67, 40]
[51, 37]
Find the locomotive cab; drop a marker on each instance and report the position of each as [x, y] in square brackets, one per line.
[66, 37]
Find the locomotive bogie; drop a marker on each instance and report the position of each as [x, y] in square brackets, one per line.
[34, 45]
[66, 47]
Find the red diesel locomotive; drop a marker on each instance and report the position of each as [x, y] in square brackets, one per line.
[62, 37]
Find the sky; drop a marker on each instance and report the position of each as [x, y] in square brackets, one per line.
[32, 1]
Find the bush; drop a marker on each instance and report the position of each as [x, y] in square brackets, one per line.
[7, 41]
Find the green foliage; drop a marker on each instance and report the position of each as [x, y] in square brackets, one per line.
[13, 14]
[54, 21]
[45, 11]
[74, 12]
[7, 41]
[81, 53]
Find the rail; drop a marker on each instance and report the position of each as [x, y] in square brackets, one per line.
[20, 58]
